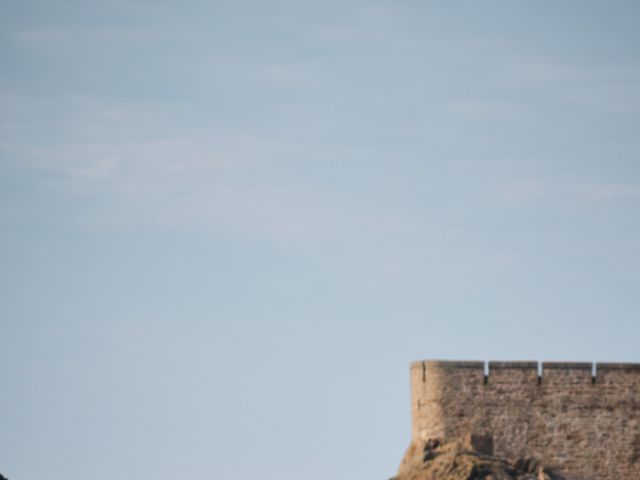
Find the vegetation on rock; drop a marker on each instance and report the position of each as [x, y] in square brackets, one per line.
[438, 460]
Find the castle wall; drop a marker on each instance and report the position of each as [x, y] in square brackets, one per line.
[586, 426]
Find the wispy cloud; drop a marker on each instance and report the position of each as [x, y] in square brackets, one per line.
[603, 192]
[221, 183]
[526, 191]
[522, 191]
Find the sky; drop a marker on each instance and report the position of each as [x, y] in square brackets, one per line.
[227, 227]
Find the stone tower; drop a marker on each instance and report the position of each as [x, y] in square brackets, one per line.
[581, 418]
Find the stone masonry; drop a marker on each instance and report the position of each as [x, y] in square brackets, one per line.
[582, 419]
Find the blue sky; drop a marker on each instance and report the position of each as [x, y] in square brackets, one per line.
[228, 227]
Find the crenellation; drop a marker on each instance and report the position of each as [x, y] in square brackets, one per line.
[567, 366]
[513, 374]
[553, 410]
[634, 367]
[563, 374]
[456, 364]
[512, 365]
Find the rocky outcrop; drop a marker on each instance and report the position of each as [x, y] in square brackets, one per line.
[469, 460]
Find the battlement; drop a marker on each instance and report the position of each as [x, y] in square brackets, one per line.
[582, 417]
[487, 367]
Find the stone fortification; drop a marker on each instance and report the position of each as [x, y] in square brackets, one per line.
[580, 418]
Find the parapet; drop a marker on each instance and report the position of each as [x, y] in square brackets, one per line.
[495, 366]
[449, 364]
[619, 366]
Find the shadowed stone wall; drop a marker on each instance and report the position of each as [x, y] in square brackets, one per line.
[581, 418]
